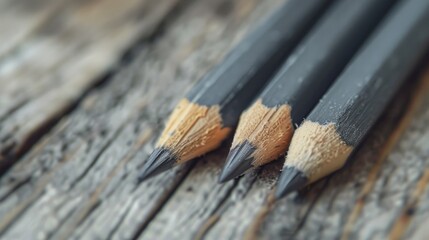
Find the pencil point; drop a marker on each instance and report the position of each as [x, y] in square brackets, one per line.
[159, 161]
[291, 179]
[239, 160]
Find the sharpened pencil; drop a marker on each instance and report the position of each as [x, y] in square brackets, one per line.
[206, 116]
[345, 115]
[265, 129]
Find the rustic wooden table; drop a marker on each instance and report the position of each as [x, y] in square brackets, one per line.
[85, 87]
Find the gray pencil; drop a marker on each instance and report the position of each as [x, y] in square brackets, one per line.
[345, 115]
[208, 113]
[265, 129]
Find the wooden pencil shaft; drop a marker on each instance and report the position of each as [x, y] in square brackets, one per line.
[361, 93]
[325, 51]
[236, 81]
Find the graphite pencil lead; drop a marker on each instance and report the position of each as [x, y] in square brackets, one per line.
[159, 161]
[291, 179]
[193, 130]
[315, 151]
[263, 135]
[239, 160]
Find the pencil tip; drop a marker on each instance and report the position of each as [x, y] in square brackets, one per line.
[239, 160]
[291, 179]
[159, 161]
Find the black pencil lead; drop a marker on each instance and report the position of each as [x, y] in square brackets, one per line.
[239, 160]
[290, 180]
[159, 161]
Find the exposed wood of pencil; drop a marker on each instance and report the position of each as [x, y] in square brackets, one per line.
[265, 129]
[261, 120]
[350, 108]
[204, 118]
[201, 130]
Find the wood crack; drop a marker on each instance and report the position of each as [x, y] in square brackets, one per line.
[78, 216]
[186, 169]
[99, 154]
[216, 213]
[18, 210]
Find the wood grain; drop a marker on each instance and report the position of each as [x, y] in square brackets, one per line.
[63, 49]
[77, 180]
[58, 187]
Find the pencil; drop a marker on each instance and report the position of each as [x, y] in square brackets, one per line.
[344, 116]
[265, 129]
[206, 116]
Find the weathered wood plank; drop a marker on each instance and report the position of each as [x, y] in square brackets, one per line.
[81, 176]
[78, 181]
[73, 46]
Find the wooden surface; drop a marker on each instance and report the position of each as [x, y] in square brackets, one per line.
[85, 87]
